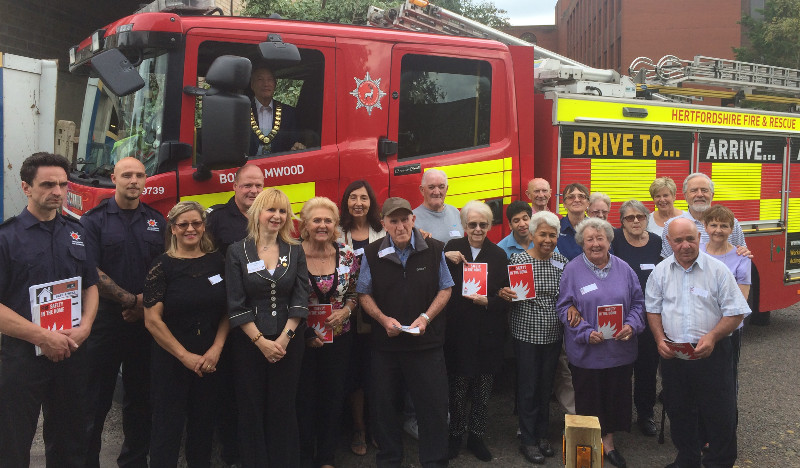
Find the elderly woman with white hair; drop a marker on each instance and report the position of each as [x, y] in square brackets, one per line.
[537, 334]
[476, 330]
[603, 346]
[599, 205]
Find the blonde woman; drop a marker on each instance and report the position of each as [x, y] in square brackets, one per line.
[332, 274]
[267, 305]
[185, 311]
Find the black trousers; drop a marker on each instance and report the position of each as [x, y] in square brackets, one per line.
[114, 343]
[645, 369]
[702, 390]
[181, 399]
[320, 399]
[536, 371]
[425, 377]
[227, 416]
[266, 399]
[31, 384]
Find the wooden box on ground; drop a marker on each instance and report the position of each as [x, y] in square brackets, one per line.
[583, 447]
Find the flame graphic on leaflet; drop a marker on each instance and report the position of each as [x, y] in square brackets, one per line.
[608, 330]
[320, 328]
[521, 289]
[471, 287]
[682, 355]
[54, 327]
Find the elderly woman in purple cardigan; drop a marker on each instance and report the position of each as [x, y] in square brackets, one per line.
[602, 348]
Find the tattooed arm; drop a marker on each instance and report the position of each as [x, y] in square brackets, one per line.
[132, 307]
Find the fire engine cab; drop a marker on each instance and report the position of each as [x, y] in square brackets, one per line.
[169, 85]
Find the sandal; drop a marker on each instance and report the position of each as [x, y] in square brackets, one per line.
[359, 444]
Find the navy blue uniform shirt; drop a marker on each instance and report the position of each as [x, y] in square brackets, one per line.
[226, 224]
[123, 247]
[35, 252]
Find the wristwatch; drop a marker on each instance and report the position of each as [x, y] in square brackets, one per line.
[290, 334]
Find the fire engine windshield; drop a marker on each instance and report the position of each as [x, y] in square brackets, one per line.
[124, 126]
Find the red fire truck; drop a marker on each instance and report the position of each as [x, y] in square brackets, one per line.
[385, 104]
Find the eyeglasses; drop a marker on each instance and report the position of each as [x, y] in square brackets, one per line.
[632, 218]
[185, 225]
[599, 212]
[474, 224]
[574, 196]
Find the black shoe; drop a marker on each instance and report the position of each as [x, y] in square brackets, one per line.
[648, 427]
[615, 458]
[478, 448]
[453, 446]
[531, 454]
[545, 448]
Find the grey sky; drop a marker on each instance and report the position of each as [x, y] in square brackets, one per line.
[525, 12]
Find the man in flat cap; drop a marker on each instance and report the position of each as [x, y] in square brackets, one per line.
[404, 284]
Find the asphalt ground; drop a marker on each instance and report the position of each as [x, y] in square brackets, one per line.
[769, 415]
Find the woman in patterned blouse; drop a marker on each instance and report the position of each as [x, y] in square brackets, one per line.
[537, 334]
[332, 274]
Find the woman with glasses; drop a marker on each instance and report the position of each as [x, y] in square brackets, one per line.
[268, 293]
[476, 330]
[575, 198]
[641, 250]
[185, 311]
[599, 205]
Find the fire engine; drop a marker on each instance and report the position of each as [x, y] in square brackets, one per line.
[386, 103]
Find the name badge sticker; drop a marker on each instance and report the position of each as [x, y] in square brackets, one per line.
[253, 267]
[646, 266]
[455, 234]
[698, 291]
[385, 252]
[589, 288]
[557, 264]
[215, 279]
[359, 252]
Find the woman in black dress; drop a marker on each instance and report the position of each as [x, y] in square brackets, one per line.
[267, 305]
[185, 311]
[641, 250]
[476, 330]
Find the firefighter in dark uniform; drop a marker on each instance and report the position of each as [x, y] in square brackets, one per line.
[227, 223]
[36, 247]
[124, 235]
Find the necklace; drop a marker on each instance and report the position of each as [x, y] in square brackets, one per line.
[267, 139]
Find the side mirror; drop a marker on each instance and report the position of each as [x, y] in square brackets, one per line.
[226, 116]
[117, 73]
[277, 52]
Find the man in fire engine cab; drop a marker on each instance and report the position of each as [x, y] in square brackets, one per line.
[403, 285]
[38, 248]
[273, 123]
[123, 236]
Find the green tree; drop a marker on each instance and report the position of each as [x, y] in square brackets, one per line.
[355, 11]
[775, 39]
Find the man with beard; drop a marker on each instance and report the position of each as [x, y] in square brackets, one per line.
[123, 236]
[539, 193]
[698, 189]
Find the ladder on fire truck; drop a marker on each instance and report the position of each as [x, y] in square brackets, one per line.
[552, 71]
[742, 80]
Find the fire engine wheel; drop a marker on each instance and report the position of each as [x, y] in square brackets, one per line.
[761, 319]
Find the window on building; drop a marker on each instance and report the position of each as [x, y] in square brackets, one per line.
[445, 105]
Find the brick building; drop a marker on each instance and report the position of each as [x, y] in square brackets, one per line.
[612, 33]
